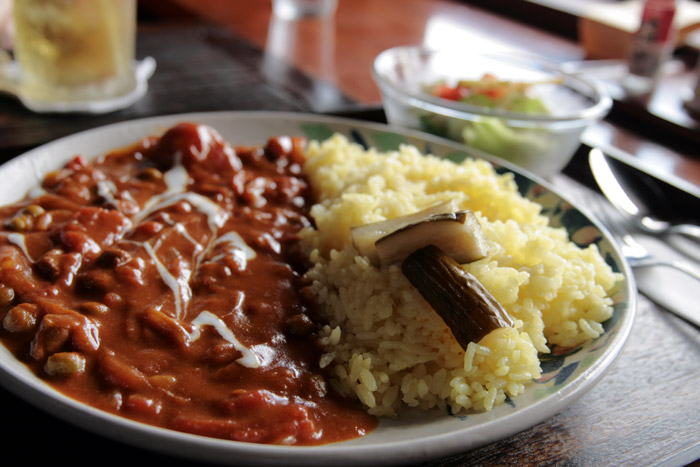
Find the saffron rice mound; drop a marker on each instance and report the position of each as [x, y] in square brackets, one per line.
[383, 343]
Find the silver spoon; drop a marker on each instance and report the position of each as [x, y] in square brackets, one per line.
[612, 188]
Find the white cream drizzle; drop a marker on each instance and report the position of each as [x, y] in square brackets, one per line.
[176, 180]
[205, 137]
[180, 288]
[183, 231]
[207, 318]
[233, 160]
[127, 196]
[238, 307]
[107, 189]
[266, 354]
[216, 216]
[237, 248]
[19, 240]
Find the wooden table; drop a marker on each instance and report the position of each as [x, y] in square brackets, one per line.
[341, 53]
[646, 411]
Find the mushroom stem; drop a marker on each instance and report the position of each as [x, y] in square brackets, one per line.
[464, 304]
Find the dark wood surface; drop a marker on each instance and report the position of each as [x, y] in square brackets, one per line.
[341, 52]
[645, 411]
[209, 69]
[629, 418]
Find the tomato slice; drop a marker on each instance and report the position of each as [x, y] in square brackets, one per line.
[447, 92]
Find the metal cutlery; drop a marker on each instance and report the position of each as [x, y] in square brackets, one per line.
[619, 192]
[638, 257]
[636, 254]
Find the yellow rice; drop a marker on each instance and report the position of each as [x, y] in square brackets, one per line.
[383, 343]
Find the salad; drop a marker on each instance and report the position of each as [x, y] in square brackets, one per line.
[492, 134]
[491, 92]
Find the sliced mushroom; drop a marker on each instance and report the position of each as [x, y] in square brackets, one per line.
[365, 236]
[464, 304]
[458, 234]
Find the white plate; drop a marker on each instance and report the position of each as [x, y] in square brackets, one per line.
[406, 439]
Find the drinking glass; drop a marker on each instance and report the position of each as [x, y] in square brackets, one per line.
[74, 50]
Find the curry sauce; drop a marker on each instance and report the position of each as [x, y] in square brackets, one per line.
[163, 282]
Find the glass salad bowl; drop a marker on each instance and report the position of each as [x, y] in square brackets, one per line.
[519, 108]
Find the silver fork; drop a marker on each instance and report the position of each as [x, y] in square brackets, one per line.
[636, 254]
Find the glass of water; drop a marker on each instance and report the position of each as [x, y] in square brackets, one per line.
[72, 50]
